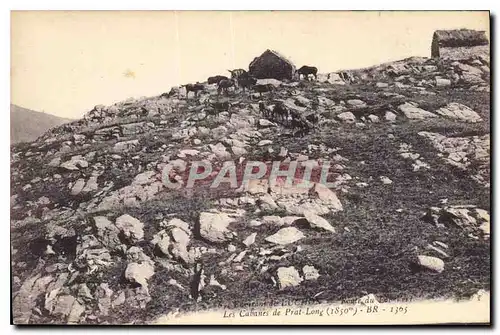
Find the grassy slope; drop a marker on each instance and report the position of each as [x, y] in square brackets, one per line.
[374, 257]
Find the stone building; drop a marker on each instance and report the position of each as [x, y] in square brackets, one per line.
[459, 44]
[272, 65]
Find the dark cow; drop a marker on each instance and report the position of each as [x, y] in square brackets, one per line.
[215, 79]
[246, 81]
[280, 112]
[194, 88]
[217, 107]
[266, 111]
[224, 85]
[307, 70]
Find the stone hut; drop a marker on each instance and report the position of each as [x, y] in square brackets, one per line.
[459, 44]
[271, 65]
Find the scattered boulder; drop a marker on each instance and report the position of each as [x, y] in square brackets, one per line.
[250, 239]
[288, 277]
[432, 263]
[139, 273]
[317, 222]
[285, 236]
[310, 272]
[347, 117]
[412, 111]
[460, 112]
[390, 116]
[214, 227]
[130, 227]
[107, 232]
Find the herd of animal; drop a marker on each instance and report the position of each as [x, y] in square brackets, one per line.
[242, 79]
[276, 111]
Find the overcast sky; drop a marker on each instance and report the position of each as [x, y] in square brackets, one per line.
[64, 63]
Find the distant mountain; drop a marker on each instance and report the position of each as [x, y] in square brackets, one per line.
[26, 125]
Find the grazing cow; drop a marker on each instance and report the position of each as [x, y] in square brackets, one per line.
[262, 88]
[194, 88]
[224, 85]
[307, 70]
[280, 112]
[266, 111]
[246, 81]
[216, 79]
[218, 106]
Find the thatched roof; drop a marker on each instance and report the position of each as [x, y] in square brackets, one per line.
[271, 64]
[277, 54]
[460, 38]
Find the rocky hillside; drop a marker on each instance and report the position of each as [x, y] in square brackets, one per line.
[26, 125]
[97, 238]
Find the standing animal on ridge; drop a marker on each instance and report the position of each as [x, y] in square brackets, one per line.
[266, 111]
[307, 70]
[224, 85]
[217, 107]
[280, 112]
[235, 74]
[194, 88]
[246, 81]
[215, 79]
[262, 88]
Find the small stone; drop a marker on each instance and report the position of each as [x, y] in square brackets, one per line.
[310, 272]
[385, 180]
[130, 227]
[231, 248]
[432, 263]
[250, 239]
[264, 142]
[285, 236]
[119, 300]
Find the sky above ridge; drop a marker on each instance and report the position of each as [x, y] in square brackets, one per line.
[65, 62]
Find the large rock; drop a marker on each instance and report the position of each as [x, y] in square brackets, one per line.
[214, 226]
[220, 151]
[276, 83]
[285, 236]
[347, 117]
[317, 222]
[288, 277]
[78, 186]
[356, 103]
[327, 197]
[460, 112]
[125, 146]
[75, 163]
[139, 273]
[432, 263]
[130, 227]
[107, 232]
[411, 111]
